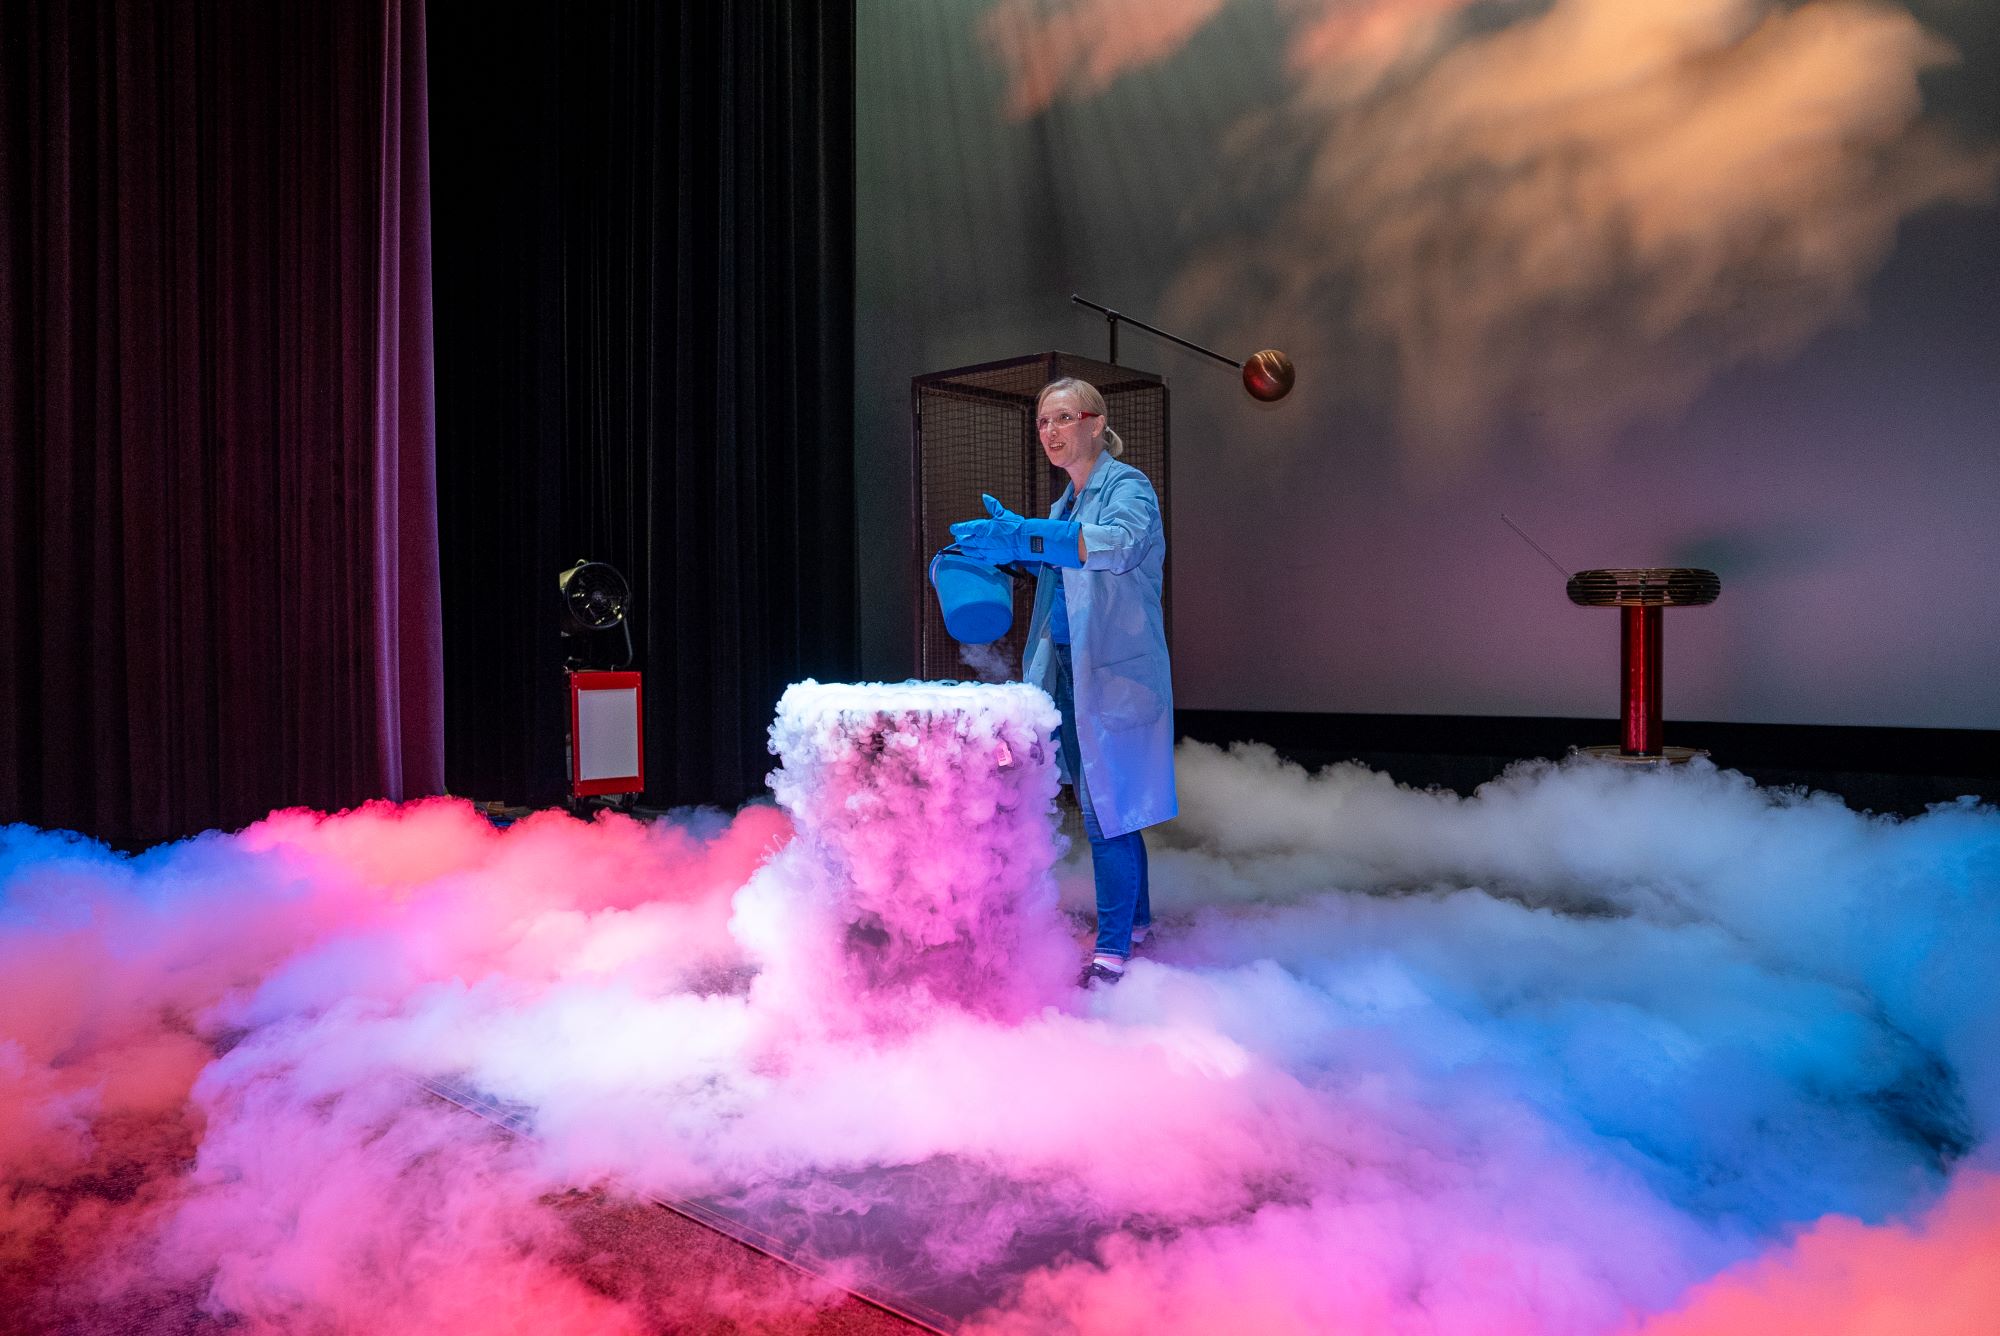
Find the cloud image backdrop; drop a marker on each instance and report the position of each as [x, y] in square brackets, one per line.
[1669, 283]
[1581, 217]
[1588, 1052]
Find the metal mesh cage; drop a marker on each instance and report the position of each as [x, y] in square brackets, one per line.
[973, 431]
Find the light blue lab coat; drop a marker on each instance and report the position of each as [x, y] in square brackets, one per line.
[1118, 646]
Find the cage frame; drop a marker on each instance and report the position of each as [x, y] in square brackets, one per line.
[1110, 378]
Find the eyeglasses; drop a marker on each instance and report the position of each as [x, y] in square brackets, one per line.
[1062, 420]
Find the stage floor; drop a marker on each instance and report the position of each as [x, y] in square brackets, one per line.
[1590, 1053]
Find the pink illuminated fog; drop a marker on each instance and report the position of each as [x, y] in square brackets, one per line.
[1590, 1052]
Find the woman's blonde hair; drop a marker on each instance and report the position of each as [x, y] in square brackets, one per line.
[1092, 401]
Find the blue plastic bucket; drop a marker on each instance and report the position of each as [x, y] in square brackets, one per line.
[977, 600]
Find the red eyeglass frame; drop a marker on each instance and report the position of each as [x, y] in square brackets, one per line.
[1043, 424]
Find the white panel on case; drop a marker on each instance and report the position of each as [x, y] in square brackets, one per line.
[607, 728]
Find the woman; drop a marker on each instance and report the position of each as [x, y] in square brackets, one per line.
[1097, 644]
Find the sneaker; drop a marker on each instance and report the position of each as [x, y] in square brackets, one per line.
[1142, 936]
[1096, 973]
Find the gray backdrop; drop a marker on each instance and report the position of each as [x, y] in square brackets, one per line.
[1700, 282]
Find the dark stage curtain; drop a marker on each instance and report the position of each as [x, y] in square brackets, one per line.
[218, 550]
[644, 223]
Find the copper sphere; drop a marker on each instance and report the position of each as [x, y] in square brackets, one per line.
[1268, 375]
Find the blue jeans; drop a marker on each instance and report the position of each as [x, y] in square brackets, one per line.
[1123, 901]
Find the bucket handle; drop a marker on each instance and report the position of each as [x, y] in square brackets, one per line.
[1013, 570]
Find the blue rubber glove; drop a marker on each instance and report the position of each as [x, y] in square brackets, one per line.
[1009, 537]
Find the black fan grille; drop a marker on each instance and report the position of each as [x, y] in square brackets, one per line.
[595, 596]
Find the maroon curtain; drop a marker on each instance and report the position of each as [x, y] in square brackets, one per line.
[217, 509]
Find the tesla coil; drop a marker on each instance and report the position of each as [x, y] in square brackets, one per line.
[973, 431]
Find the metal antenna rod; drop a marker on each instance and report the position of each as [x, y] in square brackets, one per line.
[1115, 316]
[1535, 545]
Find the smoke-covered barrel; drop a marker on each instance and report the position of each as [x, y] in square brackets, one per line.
[922, 869]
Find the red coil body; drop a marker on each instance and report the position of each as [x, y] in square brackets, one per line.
[1639, 664]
